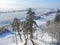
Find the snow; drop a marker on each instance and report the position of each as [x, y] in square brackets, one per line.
[44, 19]
[8, 38]
[40, 22]
[5, 34]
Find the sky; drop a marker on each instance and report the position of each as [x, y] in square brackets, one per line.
[20, 4]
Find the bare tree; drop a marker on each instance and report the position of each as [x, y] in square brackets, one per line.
[57, 18]
[15, 25]
[14, 30]
[26, 26]
[25, 31]
[29, 23]
[54, 27]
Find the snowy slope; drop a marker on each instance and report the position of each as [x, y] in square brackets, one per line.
[7, 40]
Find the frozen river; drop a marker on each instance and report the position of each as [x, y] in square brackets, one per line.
[6, 18]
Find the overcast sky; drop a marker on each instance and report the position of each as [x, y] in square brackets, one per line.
[20, 4]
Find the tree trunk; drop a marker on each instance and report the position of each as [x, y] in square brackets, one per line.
[16, 39]
[33, 42]
[25, 42]
[26, 38]
[13, 36]
[20, 36]
[31, 35]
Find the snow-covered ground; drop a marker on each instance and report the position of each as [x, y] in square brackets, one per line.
[41, 37]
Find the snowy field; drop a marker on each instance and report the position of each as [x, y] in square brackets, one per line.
[40, 36]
